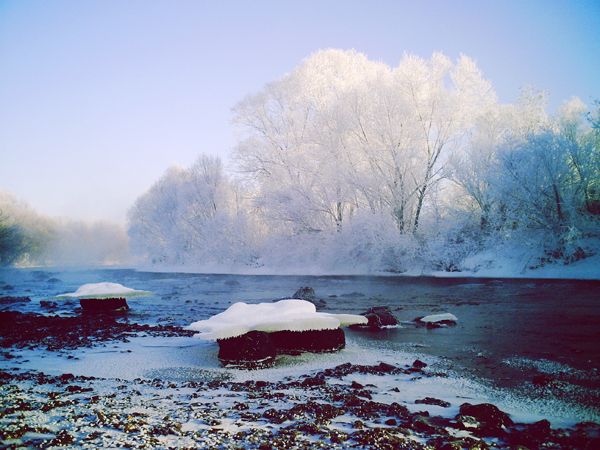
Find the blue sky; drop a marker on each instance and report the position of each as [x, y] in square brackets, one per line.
[98, 98]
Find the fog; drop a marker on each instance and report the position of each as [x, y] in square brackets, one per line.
[28, 238]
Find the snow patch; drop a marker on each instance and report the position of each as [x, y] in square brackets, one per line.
[434, 318]
[284, 315]
[104, 289]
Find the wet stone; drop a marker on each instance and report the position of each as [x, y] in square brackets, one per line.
[379, 317]
[418, 364]
[432, 401]
[382, 438]
[530, 435]
[8, 300]
[491, 419]
[46, 304]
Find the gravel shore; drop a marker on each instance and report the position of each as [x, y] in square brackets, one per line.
[339, 407]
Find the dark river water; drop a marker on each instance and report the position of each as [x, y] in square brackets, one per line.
[508, 330]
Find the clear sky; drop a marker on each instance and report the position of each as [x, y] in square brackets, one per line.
[98, 98]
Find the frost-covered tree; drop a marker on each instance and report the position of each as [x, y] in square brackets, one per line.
[341, 133]
[350, 164]
[192, 216]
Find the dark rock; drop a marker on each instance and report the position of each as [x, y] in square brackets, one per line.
[8, 300]
[103, 305]
[432, 401]
[254, 348]
[530, 435]
[336, 437]
[491, 419]
[364, 394]
[321, 413]
[276, 416]
[358, 425]
[398, 411]
[258, 348]
[48, 304]
[62, 439]
[386, 368]
[541, 380]
[316, 341]
[423, 424]
[384, 439]
[66, 377]
[305, 293]
[75, 389]
[379, 317]
[308, 428]
[438, 324]
[313, 381]
[356, 385]
[27, 330]
[585, 435]
[468, 423]
[454, 443]
[418, 364]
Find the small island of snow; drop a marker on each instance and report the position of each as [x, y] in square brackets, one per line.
[104, 289]
[253, 335]
[284, 315]
[436, 318]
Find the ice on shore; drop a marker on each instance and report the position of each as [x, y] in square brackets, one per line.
[435, 318]
[104, 289]
[284, 315]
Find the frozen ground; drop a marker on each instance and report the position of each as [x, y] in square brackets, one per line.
[168, 392]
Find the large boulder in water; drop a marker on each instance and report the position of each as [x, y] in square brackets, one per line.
[255, 333]
[305, 293]
[259, 348]
[254, 348]
[379, 317]
[437, 320]
[315, 341]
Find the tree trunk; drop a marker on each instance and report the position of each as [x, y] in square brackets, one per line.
[338, 216]
[557, 199]
[421, 197]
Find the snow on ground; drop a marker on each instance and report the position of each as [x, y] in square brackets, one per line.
[487, 264]
[284, 315]
[104, 289]
[515, 262]
[180, 359]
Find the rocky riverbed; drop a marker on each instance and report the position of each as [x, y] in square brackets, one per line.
[345, 406]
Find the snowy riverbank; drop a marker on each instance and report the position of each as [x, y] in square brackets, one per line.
[483, 265]
[141, 386]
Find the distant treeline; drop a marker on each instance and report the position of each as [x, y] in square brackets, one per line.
[28, 238]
